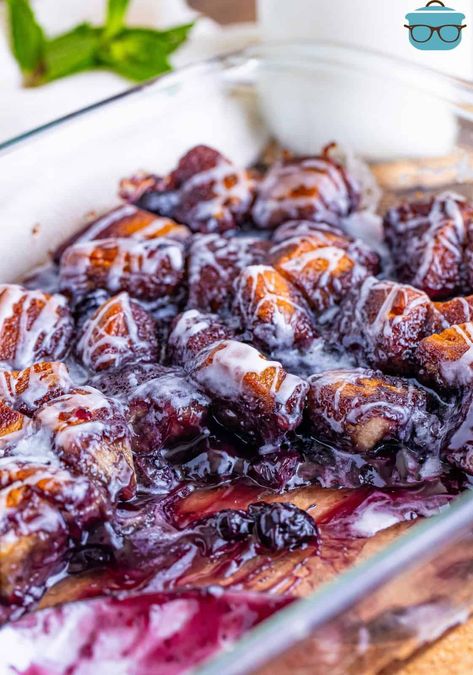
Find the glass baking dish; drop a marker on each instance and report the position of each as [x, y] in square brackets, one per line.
[415, 129]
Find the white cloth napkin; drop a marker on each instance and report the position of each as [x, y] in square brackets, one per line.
[23, 109]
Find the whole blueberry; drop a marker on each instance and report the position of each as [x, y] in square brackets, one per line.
[280, 526]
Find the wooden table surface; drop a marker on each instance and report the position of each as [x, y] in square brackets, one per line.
[452, 654]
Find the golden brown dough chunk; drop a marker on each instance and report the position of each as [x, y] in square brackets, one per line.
[313, 188]
[383, 322]
[359, 409]
[41, 507]
[455, 311]
[34, 326]
[250, 393]
[119, 331]
[206, 191]
[272, 309]
[127, 222]
[329, 235]
[147, 270]
[27, 390]
[446, 358]
[90, 435]
[323, 273]
[430, 245]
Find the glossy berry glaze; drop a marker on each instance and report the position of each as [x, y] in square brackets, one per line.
[209, 408]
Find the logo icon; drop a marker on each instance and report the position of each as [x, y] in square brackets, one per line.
[435, 27]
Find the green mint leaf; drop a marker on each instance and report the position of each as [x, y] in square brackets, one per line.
[71, 52]
[173, 38]
[136, 53]
[116, 11]
[27, 37]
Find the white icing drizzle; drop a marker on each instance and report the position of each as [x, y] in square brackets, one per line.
[326, 182]
[107, 220]
[130, 260]
[385, 320]
[318, 270]
[460, 372]
[426, 249]
[258, 292]
[223, 369]
[100, 346]
[156, 226]
[44, 335]
[40, 382]
[236, 198]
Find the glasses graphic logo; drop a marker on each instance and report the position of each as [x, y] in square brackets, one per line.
[435, 27]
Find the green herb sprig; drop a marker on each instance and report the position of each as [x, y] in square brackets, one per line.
[135, 53]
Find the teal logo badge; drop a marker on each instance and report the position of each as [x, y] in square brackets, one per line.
[435, 27]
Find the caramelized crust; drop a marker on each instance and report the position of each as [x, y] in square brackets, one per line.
[311, 188]
[27, 390]
[34, 326]
[191, 332]
[324, 274]
[90, 435]
[214, 264]
[120, 330]
[248, 392]
[383, 323]
[359, 409]
[457, 310]
[127, 222]
[429, 242]
[446, 358]
[150, 270]
[272, 309]
[329, 235]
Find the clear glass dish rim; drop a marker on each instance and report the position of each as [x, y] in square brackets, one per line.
[298, 620]
[301, 54]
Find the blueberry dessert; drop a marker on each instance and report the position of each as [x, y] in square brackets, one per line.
[223, 393]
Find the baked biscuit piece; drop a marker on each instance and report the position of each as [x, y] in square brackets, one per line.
[457, 310]
[310, 188]
[383, 322]
[41, 507]
[446, 358]
[323, 273]
[272, 309]
[429, 241]
[120, 330]
[27, 390]
[90, 435]
[166, 410]
[206, 192]
[249, 393]
[359, 409]
[191, 332]
[34, 326]
[147, 270]
[127, 222]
